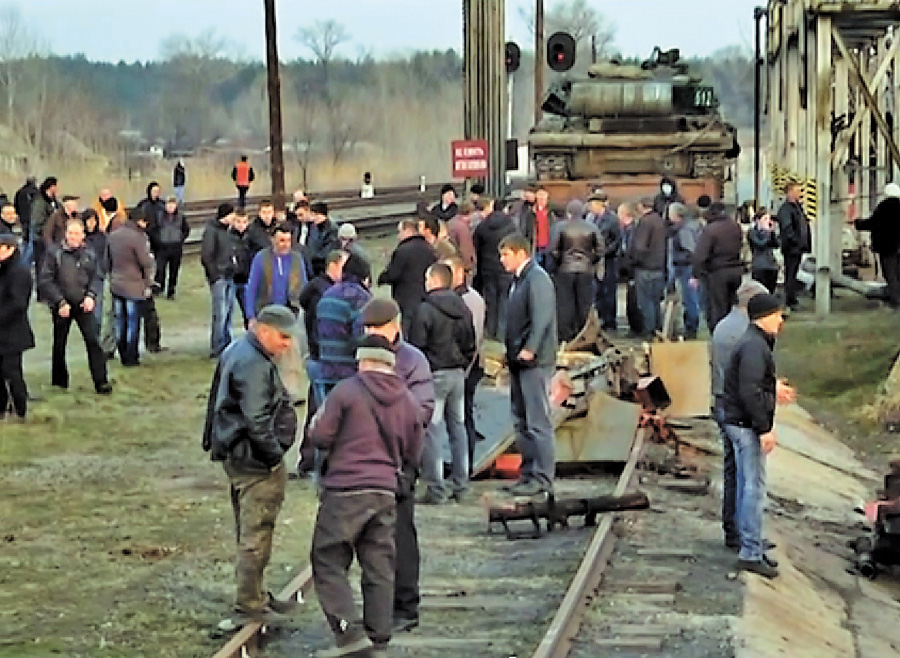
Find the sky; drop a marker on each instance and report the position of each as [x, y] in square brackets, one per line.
[113, 30]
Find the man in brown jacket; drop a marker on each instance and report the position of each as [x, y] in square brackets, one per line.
[55, 228]
[132, 269]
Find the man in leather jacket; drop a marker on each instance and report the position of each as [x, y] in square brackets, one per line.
[576, 248]
[250, 424]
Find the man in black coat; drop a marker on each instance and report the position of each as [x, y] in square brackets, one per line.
[22, 201]
[263, 227]
[405, 273]
[531, 345]
[217, 255]
[648, 256]
[885, 227]
[70, 281]
[442, 328]
[607, 222]
[795, 240]
[717, 263]
[15, 331]
[446, 208]
[492, 278]
[323, 238]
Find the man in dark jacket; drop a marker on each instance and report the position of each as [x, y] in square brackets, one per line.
[43, 206]
[250, 424]
[575, 248]
[885, 227]
[263, 227]
[370, 430]
[684, 233]
[405, 273]
[601, 215]
[71, 281]
[323, 237]
[749, 414]
[179, 179]
[795, 240]
[217, 254]
[531, 346]
[648, 257]
[16, 336]
[23, 200]
[717, 262]
[131, 282]
[381, 317]
[243, 256]
[154, 208]
[627, 213]
[442, 328]
[668, 194]
[169, 234]
[55, 226]
[309, 299]
[493, 279]
[9, 223]
[446, 208]
[763, 239]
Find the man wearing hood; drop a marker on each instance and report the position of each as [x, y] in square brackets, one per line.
[154, 208]
[795, 240]
[369, 430]
[444, 331]
[405, 273]
[25, 196]
[717, 262]
[493, 278]
[43, 206]
[668, 194]
[575, 248]
[71, 280]
[885, 227]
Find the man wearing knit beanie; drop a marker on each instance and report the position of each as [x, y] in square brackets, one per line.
[748, 414]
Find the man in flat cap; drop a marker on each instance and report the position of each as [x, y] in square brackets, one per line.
[250, 424]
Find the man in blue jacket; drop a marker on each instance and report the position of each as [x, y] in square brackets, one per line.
[531, 344]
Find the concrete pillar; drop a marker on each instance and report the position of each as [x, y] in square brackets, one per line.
[824, 265]
[484, 100]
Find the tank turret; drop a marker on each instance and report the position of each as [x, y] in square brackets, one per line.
[656, 118]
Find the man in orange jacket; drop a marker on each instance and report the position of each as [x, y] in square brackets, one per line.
[242, 175]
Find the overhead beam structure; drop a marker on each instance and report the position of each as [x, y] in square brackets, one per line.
[834, 111]
[484, 98]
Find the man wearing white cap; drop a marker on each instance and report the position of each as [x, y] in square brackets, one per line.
[885, 227]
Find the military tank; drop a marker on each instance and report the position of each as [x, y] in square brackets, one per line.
[625, 120]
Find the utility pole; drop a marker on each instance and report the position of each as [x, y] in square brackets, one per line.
[538, 59]
[759, 13]
[276, 140]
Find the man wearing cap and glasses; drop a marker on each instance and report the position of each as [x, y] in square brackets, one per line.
[250, 424]
[750, 393]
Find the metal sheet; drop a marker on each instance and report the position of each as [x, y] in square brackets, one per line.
[684, 369]
[605, 435]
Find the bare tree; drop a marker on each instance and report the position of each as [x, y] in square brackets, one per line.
[323, 39]
[577, 18]
[17, 44]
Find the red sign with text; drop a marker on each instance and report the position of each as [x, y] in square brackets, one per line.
[470, 158]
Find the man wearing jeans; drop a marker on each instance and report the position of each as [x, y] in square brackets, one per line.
[442, 328]
[218, 255]
[727, 334]
[531, 344]
[749, 415]
[648, 255]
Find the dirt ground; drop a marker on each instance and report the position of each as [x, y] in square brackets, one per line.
[115, 529]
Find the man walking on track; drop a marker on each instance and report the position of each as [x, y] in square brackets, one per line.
[250, 424]
[531, 344]
[242, 174]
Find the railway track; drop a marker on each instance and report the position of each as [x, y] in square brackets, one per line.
[466, 591]
[372, 218]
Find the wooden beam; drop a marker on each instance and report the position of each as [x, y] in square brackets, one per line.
[867, 95]
[840, 149]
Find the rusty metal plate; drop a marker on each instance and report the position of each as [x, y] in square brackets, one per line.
[684, 368]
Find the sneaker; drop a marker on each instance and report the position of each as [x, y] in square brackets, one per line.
[772, 562]
[402, 625]
[361, 647]
[759, 567]
[266, 616]
[104, 389]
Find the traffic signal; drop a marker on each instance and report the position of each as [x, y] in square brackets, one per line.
[561, 52]
[513, 57]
